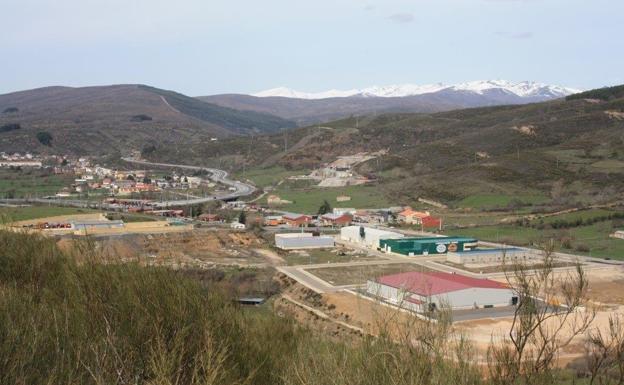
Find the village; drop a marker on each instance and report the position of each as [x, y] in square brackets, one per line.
[355, 259]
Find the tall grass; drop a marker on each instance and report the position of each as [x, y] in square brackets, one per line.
[69, 318]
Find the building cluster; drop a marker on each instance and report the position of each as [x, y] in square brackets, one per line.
[341, 217]
[458, 250]
[112, 182]
[20, 160]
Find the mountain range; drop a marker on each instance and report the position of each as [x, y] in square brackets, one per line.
[570, 147]
[101, 119]
[523, 89]
[96, 120]
[310, 108]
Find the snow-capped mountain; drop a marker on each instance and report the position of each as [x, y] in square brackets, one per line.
[314, 107]
[526, 89]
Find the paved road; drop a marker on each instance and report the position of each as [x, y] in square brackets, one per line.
[219, 176]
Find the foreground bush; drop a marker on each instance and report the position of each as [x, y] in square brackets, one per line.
[67, 318]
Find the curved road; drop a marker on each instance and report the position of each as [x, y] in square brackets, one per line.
[216, 175]
[240, 190]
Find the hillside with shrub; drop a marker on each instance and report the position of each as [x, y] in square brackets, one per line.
[100, 120]
[570, 151]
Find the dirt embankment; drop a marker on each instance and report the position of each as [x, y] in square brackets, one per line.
[196, 249]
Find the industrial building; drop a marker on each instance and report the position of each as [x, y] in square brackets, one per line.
[90, 225]
[431, 290]
[485, 256]
[290, 241]
[426, 246]
[367, 236]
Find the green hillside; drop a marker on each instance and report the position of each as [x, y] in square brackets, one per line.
[563, 152]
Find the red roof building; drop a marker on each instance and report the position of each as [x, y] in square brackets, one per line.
[297, 220]
[419, 290]
[338, 220]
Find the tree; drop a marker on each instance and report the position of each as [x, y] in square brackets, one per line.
[44, 138]
[550, 312]
[242, 217]
[325, 208]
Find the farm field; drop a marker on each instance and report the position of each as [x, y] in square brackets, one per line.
[485, 201]
[263, 177]
[591, 239]
[309, 199]
[34, 212]
[23, 183]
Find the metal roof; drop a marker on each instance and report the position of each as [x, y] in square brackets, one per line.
[432, 283]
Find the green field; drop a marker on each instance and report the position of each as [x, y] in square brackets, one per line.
[488, 201]
[34, 212]
[22, 183]
[594, 237]
[263, 177]
[308, 200]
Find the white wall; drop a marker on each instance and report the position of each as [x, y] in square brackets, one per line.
[460, 299]
[371, 235]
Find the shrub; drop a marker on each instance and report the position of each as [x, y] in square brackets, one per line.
[10, 127]
[44, 138]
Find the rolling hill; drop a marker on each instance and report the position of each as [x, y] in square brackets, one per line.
[574, 146]
[95, 120]
[310, 108]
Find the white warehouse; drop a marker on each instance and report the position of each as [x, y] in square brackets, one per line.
[290, 241]
[366, 236]
[430, 290]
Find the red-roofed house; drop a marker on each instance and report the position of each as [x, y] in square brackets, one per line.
[338, 220]
[412, 217]
[297, 220]
[417, 291]
[431, 222]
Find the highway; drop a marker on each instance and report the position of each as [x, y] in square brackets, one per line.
[218, 176]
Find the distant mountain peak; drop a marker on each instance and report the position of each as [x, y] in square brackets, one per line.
[524, 89]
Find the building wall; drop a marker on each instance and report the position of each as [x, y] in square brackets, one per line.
[460, 299]
[490, 257]
[391, 294]
[371, 238]
[421, 247]
[304, 242]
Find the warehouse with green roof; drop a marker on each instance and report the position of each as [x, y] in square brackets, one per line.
[427, 246]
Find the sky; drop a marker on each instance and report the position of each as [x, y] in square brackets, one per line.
[203, 47]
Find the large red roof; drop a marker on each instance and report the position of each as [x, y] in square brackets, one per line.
[432, 283]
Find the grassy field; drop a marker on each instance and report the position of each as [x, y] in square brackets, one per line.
[488, 201]
[357, 275]
[263, 177]
[20, 183]
[308, 200]
[34, 212]
[595, 238]
[583, 214]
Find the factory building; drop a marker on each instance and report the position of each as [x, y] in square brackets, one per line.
[367, 236]
[491, 256]
[431, 290]
[426, 246]
[290, 241]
